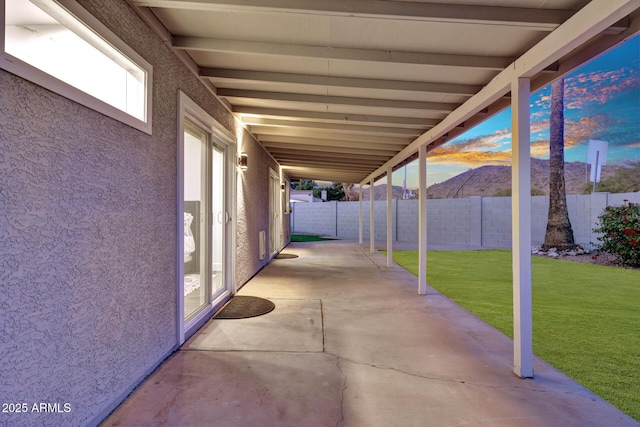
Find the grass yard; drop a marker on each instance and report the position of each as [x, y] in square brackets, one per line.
[308, 238]
[586, 318]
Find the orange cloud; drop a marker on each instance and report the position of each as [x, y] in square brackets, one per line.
[598, 87]
[576, 132]
[540, 148]
[539, 126]
[470, 158]
[476, 151]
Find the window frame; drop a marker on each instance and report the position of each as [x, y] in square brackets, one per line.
[35, 75]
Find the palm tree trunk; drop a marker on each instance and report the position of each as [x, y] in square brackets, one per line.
[559, 232]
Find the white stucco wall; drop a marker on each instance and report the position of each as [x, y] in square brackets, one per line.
[88, 236]
[253, 210]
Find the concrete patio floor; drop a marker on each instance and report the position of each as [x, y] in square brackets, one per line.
[351, 343]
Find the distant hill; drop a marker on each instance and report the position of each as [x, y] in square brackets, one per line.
[380, 192]
[488, 181]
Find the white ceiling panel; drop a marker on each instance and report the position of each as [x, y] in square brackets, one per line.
[314, 80]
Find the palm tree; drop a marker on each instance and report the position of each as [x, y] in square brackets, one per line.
[559, 232]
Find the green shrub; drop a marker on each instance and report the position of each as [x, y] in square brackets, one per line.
[620, 228]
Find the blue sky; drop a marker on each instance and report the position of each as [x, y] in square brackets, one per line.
[602, 102]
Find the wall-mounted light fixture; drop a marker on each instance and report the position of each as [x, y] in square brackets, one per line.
[243, 161]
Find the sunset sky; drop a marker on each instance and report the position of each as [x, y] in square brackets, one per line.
[602, 102]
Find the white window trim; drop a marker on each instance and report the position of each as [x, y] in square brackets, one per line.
[39, 77]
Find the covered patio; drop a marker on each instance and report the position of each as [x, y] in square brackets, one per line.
[265, 92]
[349, 91]
[350, 344]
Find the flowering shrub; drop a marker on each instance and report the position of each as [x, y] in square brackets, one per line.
[620, 228]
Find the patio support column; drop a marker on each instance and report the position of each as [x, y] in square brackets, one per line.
[372, 228]
[389, 217]
[521, 228]
[422, 220]
[360, 217]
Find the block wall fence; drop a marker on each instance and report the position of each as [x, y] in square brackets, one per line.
[479, 222]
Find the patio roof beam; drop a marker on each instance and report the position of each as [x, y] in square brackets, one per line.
[293, 134]
[224, 75]
[325, 170]
[260, 125]
[335, 140]
[340, 117]
[238, 94]
[517, 17]
[276, 147]
[346, 155]
[341, 166]
[297, 173]
[350, 54]
[332, 146]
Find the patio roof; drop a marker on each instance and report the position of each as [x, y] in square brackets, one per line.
[343, 90]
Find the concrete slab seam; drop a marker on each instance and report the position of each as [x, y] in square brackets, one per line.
[450, 380]
[212, 350]
[324, 347]
[369, 257]
[342, 392]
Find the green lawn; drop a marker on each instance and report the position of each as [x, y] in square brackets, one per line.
[586, 318]
[307, 238]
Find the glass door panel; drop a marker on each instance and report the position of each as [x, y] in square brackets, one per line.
[220, 218]
[274, 215]
[197, 285]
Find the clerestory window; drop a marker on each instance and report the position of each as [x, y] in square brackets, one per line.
[57, 44]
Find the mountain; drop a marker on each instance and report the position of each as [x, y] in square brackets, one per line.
[488, 181]
[380, 192]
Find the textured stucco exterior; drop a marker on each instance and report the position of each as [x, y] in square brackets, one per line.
[253, 209]
[88, 235]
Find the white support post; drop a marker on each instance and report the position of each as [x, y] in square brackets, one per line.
[422, 220]
[372, 227]
[360, 217]
[389, 217]
[521, 229]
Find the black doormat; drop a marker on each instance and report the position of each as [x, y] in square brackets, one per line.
[286, 256]
[241, 307]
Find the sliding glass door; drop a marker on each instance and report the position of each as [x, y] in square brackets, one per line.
[220, 218]
[197, 212]
[206, 201]
[205, 220]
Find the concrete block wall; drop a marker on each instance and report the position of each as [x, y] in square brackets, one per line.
[348, 223]
[315, 218]
[379, 219]
[496, 222]
[407, 220]
[475, 221]
[579, 208]
[539, 209]
[447, 221]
